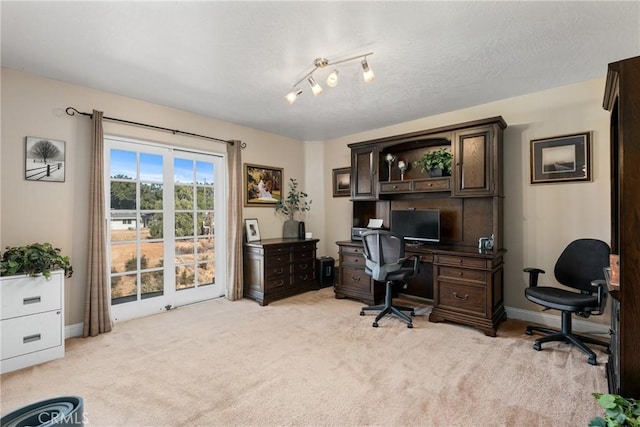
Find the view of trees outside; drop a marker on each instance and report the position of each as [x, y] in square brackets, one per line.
[137, 221]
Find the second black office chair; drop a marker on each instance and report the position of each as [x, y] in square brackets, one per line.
[384, 259]
[580, 266]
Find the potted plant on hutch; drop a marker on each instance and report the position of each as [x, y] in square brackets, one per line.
[296, 201]
[435, 162]
[32, 298]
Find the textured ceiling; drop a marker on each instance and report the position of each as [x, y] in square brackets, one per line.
[235, 61]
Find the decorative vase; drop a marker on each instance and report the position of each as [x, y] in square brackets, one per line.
[290, 229]
[435, 172]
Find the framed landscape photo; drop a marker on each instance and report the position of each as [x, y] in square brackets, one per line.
[562, 158]
[262, 185]
[252, 230]
[44, 159]
[341, 182]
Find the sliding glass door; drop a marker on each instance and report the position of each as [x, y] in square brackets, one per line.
[166, 210]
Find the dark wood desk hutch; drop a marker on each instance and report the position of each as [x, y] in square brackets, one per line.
[465, 283]
[622, 99]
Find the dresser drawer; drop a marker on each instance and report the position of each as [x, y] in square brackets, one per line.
[22, 335]
[351, 250]
[460, 261]
[304, 266]
[277, 282]
[276, 271]
[304, 276]
[276, 260]
[304, 254]
[355, 278]
[462, 274]
[23, 296]
[461, 297]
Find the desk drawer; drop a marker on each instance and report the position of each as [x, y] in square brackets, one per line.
[462, 274]
[351, 250]
[462, 297]
[353, 260]
[432, 184]
[355, 279]
[460, 261]
[22, 335]
[395, 187]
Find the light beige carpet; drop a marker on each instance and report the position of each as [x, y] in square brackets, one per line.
[311, 360]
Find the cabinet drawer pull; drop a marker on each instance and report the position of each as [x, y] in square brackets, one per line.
[279, 283]
[31, 300]
[464, 298]
[460, 274]
[31, 338]
[305, 277]
[304, 266]
[355, 278]
[278, 271]
[395, 186]
[430, 184]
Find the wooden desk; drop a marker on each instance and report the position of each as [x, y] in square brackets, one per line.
[465, 284]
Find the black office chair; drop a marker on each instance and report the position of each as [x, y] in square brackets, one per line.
[580, 266]
[384, 259]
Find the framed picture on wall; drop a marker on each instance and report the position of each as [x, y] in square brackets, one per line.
[341, 182]
[44, 159]
[562, 158]
[262, 185]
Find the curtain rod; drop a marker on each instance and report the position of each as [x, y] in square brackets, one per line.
[72, 112]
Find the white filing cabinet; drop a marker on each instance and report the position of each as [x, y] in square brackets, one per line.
[31, 320]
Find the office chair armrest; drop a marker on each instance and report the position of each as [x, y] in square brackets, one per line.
[601, 293]
[533, 275]
[416, 263]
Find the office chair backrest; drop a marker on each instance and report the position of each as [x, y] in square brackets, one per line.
[382, 250]
[581, 262]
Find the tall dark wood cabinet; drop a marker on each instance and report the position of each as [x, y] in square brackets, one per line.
[470, 202]
[622, 99]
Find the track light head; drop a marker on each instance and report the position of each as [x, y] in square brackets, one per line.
[332, 79]
[315, 87]
[293, 95]
[367, 73]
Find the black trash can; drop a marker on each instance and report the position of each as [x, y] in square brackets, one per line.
[60, 412]
[325, 273]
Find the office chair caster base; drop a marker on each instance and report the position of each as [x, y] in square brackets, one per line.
[362, 313]
[410, 325]
[537, 346]
[593, 361]
[375, 324]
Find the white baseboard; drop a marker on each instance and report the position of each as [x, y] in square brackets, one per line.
[72, 331]
[554, 321]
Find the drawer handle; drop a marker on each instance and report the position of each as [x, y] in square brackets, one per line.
[355, 278]
[464, 298]
[460, 261]
[305, 277]
[395, 186]
[430, 185]
[460, 274]
[31, 300]
[279, 283]
[278, 271]
[304, 266]
[31, 338]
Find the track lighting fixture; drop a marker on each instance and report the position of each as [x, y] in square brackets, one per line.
[332, 79]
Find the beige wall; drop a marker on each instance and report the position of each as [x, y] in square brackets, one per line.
[56, 212]
[539, 220]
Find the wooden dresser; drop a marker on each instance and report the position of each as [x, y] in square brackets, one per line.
[279, 268]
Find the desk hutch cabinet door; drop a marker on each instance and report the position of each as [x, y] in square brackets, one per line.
[473, 163]
[364, 168]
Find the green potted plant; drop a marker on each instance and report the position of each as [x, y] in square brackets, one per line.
[33, 260]
[435, 162]
[619, 411]
[296, 201]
